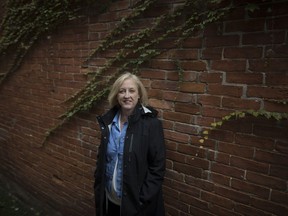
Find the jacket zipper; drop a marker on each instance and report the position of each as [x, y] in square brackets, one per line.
[131, 146]
[129, 159]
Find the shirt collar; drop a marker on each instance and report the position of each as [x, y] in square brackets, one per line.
[116, 118]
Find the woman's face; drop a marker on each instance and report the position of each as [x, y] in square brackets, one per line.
[128, 95]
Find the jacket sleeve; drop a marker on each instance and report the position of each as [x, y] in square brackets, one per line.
[156, 163]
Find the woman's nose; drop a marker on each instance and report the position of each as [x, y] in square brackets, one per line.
[127, 94]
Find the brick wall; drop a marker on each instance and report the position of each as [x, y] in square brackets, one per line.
[239, 63]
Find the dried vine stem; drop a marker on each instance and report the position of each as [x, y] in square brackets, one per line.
[26, 21]
[142, 46]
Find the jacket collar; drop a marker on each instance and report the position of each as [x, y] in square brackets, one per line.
[139, 111]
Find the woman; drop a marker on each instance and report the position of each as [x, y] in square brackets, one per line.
[131, 156]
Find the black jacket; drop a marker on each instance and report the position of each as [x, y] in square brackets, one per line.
[143, 164]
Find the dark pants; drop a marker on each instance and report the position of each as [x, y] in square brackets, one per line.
[113, 210]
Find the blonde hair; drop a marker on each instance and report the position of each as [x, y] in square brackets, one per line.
[112, 97]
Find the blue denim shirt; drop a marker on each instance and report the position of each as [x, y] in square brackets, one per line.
[115, 158]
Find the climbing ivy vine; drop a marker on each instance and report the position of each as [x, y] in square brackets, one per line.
[26, 21]
[142, 46]
[241, 114]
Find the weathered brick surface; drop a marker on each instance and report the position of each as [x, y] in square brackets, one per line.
[238, 63]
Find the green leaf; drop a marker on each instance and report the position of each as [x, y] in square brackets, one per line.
[250, 7]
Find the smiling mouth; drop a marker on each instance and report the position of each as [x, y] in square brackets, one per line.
[127, 101]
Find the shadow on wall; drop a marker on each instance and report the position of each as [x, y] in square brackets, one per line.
[241, 169]
[15, 201]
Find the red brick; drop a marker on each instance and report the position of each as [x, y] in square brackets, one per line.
[176, 136]
[163, 64]
[269, 206]
[218, 210]
[177, 96]
[174, 206]
[213, 29]
[177, 116]
[155, 94]
[249, 210]
[280, 197]
[173, 76]
[214, 112]
[187, 169]
[222, 135]
[277, 23]
[193, 201]
[199, 183]
[175, 156]
[271, 132]
[192, 87]
[238, 126]
[219, 157]
[166, 85]
[192, 150]
[234, 91]
[168, 124]
[160, 104]
[278, 37]
[243, 52]
[184, 76]
[171, 145]
[193, 42]
[267, 92]
[212, 53]
[187, 108]
[245, 78]
[198, 162]
[271, 157]
[276, 79]
[194, 65]
[229, 65]
[237, 150]
[217, 200]
[197, 211]
[279, 51]
[251, 165]
[241, 104]
[188, 54]
[220, 179]
[254, 141]
[250, 188]
[186, 128]
[282, 146]
[122, 5]
[279, 171]
[97, 27]
[211, 77]
[232, 194]
[267, 181]
[222, 41]
[153, 74]
[245, 26]
[268, 65]
[209, 100]
[227, 170]
[265, 10]
[183, 187]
